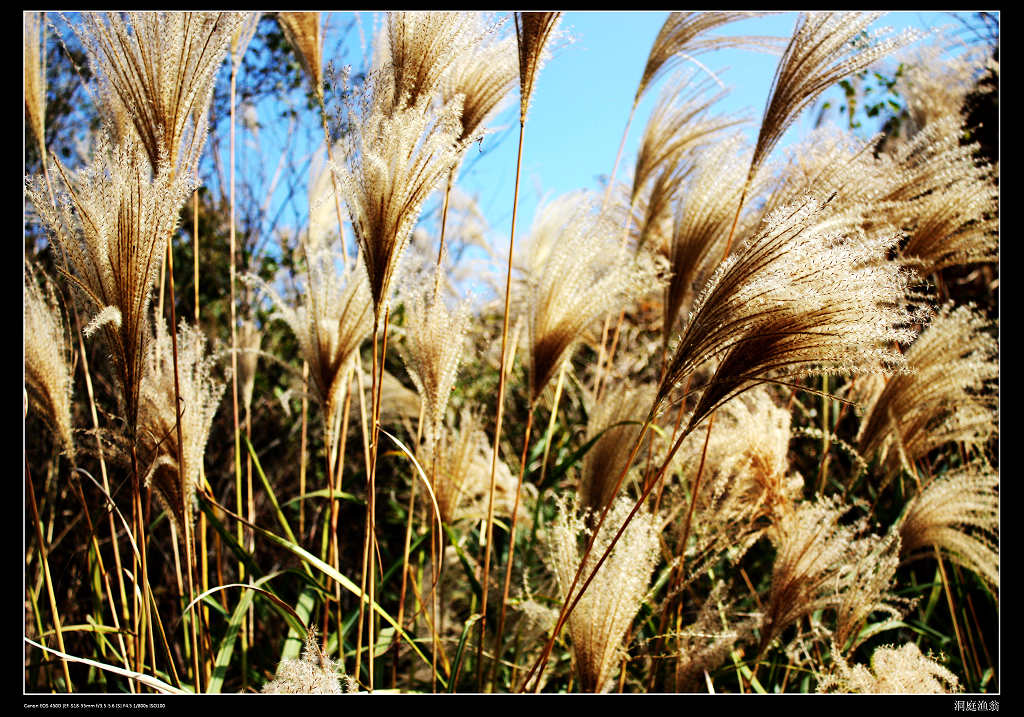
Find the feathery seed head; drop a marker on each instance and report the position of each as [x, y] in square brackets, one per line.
[200, 395]
[948, 396]
[812, 568]
[577, 271]
[894, 670]
[330, 322]
[959, 513]
[110, 228]
[433, 349]
[48, 381]
[393, 161]
[314, 674]
[534, 33]
[947, 199]
[605, 460]
[746, 484]
[703, 217]
[418, 49]
[158, 69]
[462, 474]
[935, 82]
[35, 76]
[791, 301]
[242, 36]
[303, 32]
[249, 338]
[484, 75]
[825, 48]
[868, 579]
[680, 123]
[683, 36]
[603, 615]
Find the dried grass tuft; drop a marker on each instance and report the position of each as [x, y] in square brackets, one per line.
[48, 380]
[599, 623]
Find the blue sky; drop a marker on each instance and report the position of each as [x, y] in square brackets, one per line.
[580, 105]
[584, 93]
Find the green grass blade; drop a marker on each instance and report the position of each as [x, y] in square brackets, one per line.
[333, 574]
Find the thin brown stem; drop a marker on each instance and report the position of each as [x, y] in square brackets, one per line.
[302, 451]
[551, 422]
[44, 561]
[567, 606]
[186, 508]
[511, 543]
[500, 414]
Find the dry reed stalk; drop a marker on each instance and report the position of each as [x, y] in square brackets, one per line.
[44, 561]
[101, 454]
[186, 506]
[549, 433]
[509, 558]
[405, 553]
[302, 451]
[241, 36]
[533, 31]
